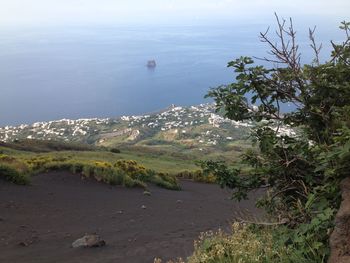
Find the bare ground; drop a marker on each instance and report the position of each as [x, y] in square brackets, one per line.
[38, 223]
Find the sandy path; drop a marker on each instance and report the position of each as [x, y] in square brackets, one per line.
[59, 208]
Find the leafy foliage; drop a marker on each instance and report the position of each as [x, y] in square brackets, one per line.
[129, 173]
[197, 176]
[301, 173]
[13, 175]
[13, 170]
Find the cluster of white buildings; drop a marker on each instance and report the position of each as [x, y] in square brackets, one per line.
[184, 120]
[63, 129]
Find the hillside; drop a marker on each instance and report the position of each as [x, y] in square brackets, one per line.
[176, 133]
[187, 132]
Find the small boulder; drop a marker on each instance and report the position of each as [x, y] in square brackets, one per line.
[143, 207]
[89, 241]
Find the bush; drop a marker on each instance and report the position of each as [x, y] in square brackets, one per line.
[132, 168]
[302, 170]
[197, 176]
[115, 178]
[163, 180]
[14, 175]
[14, 170]
[123, 172]
[115, 150]
[140, 173]
[129, 182]
[101, 171]
[245, 244]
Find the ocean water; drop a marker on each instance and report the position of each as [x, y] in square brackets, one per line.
[81, 72]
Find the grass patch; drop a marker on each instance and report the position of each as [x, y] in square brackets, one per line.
[162, 163]
[46, 146]
[164, 180]
[14, 170]
[197, 176]
[103, 166]
[245, 244]
[13, 174]
[127, 173]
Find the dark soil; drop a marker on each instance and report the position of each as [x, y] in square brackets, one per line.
[38, 223]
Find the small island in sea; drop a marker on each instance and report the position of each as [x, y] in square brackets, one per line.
[151, 63]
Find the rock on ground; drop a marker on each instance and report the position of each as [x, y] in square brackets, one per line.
[89, 241]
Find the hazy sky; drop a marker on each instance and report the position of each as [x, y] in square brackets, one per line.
[58, 12]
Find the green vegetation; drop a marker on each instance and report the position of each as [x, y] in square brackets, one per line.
[186, 133]
[14, 170]
[159, 161]
[35, 157]
[245, 244]
[23, 158]
[10, 173]
[223, 248]
[302, 171]
[46, 146]
[197, 176]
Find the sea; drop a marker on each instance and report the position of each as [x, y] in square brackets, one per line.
[49, 73]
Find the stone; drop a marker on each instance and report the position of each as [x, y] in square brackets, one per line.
[89, 241]
[143, 207]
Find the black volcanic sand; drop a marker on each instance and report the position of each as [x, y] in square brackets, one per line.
[38, 223]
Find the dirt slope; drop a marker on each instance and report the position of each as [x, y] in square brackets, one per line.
[38, 223]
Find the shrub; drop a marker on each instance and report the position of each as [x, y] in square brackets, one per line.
[132, 168]
[302, 171]
[116, 177]
[88, 170]
[197, 176]
[163, 180]
[6, 158]
[129, 182]
[14, 170]
[245, 244]
[14, 175]
[38, 162]
[99, 170]
[56, 166]
[115, 150]
[124, 172]
[140, 173]
[77, 168]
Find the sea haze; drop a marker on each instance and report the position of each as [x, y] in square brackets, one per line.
[56, 73]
